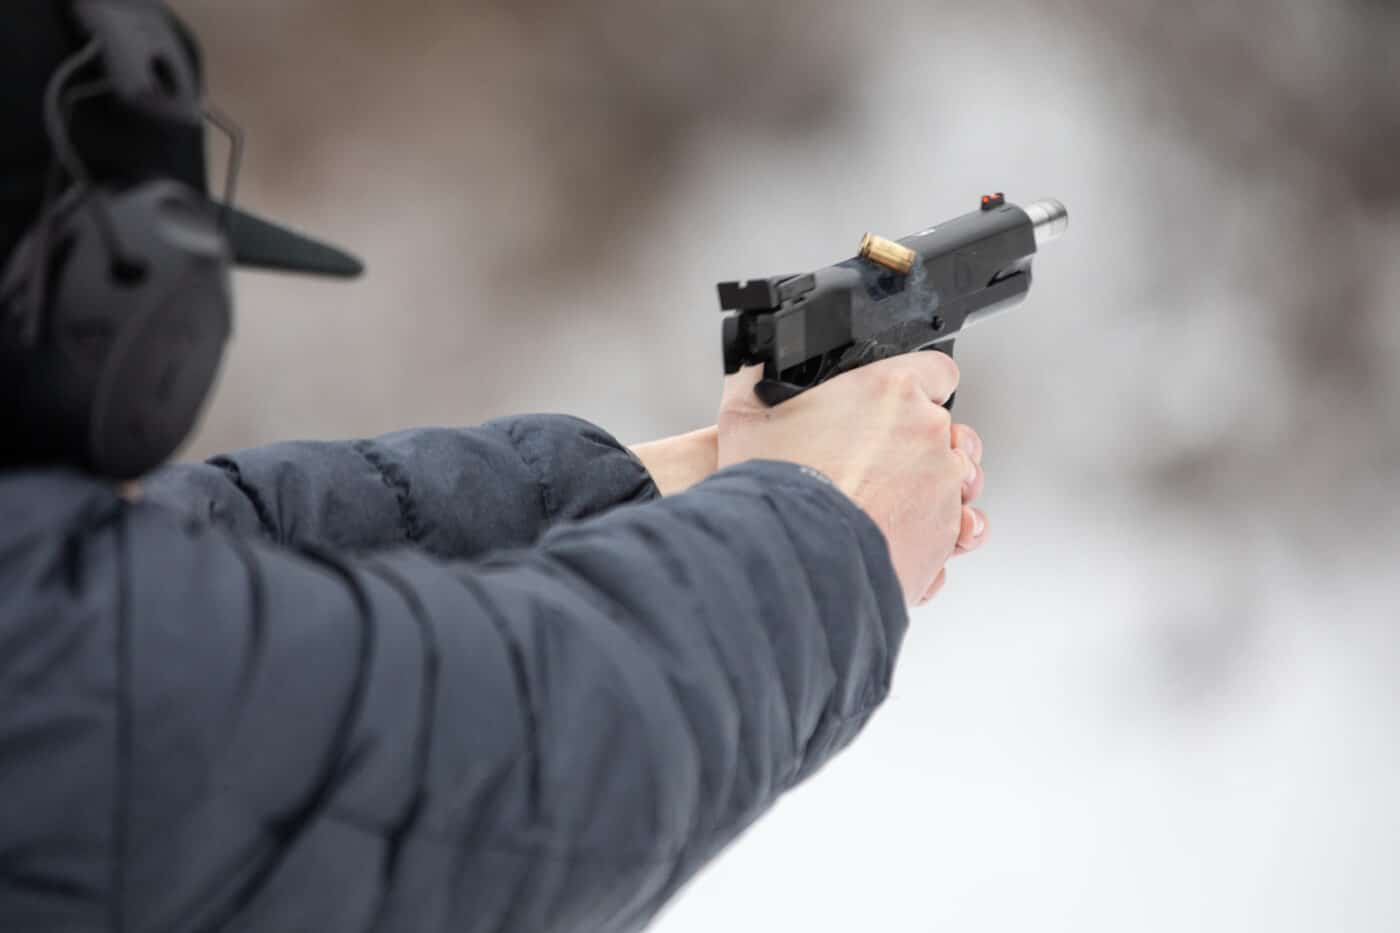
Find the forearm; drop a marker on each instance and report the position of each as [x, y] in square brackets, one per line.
[578, 725]
[456, 493]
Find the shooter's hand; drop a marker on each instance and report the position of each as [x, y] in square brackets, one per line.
[882, 436]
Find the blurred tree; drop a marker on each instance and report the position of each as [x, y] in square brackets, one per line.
[600, 99]
[1300, 102]
[582, 115]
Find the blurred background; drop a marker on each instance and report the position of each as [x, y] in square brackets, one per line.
[1167, 695]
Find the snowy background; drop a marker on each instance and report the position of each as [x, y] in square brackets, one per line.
[1166, 696]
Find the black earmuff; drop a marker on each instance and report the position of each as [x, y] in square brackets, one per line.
[128, 347]
[117, 301]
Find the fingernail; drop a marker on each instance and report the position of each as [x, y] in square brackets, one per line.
[978, 524]
[971, 469]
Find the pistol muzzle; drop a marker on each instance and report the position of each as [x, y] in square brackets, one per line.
[1050, 219]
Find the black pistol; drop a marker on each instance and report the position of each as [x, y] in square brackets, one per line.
[916, 293]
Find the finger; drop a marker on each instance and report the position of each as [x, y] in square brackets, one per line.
[968, 441]
[973, 533]
[934, 587]
[972, 477]
[738, 387]
[936, 373]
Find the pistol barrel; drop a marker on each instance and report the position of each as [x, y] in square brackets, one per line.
[1050, 219]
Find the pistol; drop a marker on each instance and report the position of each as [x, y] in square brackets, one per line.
[894, 296]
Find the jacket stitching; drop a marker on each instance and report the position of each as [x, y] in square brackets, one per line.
[532, 466]
[392, 475]
[250, 492]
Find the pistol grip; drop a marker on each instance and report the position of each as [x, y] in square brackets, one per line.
[946, 347]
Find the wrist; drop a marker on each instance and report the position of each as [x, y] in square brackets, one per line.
[677, 463]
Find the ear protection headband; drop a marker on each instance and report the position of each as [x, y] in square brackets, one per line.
[115, 307]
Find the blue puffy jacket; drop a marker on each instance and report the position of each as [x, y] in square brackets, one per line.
[458, 680]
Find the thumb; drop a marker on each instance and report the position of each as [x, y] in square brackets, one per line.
[738, 389]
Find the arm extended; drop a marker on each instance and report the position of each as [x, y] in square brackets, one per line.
[551, 739]
[455, 492]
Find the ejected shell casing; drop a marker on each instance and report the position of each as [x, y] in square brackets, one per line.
[887, 253]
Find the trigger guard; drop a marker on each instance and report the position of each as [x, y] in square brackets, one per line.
[773, 392]
[944, 347]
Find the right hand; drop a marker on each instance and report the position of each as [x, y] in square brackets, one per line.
[882, 436]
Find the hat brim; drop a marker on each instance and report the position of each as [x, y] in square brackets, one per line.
[262, 244]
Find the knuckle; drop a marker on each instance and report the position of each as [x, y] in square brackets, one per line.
[939, 371]
[893, 372]
[900, 382]
[945, 368]
[931, 426]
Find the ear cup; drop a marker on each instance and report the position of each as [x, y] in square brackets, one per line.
[157, 376]
[19, 317]
[170, 341]
[128, 350]
[51, 361]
